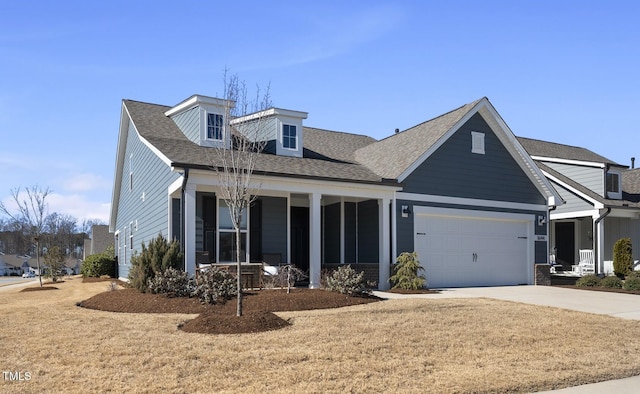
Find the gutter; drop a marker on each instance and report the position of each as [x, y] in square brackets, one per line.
[597, 238]
[185, 179]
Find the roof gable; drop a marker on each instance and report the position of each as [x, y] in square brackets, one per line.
[552, 150]
[396, 157]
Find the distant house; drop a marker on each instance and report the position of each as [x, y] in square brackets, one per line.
[459, 189]
[14, 264]
[602, 202]
[100, 239]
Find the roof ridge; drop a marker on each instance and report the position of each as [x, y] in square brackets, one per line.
[556, 143]
[146, 102]
[337, 131]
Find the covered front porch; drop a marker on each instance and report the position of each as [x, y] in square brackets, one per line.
[596, 231]
[315, 226]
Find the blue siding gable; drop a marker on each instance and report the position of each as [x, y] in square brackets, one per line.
[189, 123]
[453, 170]
[143, 209]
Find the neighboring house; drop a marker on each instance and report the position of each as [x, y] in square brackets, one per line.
[459, 189]
[100, 239]
[602, 202]
[14, 264]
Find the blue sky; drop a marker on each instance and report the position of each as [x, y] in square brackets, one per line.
[564, 71]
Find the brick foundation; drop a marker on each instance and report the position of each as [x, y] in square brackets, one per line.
[542, 275]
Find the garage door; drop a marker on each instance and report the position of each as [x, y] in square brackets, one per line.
[473, 249]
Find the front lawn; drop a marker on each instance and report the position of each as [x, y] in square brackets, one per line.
[408, 345]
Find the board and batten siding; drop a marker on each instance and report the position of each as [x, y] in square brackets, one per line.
[616, 228]
[453, 170]
[589, 177]
[143, 208]
[189, 123]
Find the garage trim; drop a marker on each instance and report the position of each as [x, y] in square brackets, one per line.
[477, 214]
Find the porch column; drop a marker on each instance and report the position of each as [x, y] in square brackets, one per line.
[383, 244]
[342, 230]
[189, 221]
[314, 240]
[599, 239]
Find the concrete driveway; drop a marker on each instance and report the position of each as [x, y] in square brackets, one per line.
[624, 306]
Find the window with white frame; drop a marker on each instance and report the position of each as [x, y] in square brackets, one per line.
[227, 234]
[289, 136]
[477, 142]
[215, 125]
[131, 236]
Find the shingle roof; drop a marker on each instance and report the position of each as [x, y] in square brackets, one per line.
[390, 157]
[327, 154]
[551, 149]
[630, 198]
[631, 185]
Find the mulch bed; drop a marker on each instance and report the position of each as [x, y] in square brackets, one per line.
[258, 308]
[38, 288]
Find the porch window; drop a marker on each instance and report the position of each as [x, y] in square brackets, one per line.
[227, 237]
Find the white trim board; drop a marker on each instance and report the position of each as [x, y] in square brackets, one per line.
[469, 202]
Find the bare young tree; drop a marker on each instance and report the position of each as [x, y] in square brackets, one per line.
[244, 123]
[31, 212]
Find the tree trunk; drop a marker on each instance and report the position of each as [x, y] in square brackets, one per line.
[38, 262]
[238, 276]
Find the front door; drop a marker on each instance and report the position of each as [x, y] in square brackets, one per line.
[300, 237]
[565, 243]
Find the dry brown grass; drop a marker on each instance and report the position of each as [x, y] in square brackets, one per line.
[447, 345]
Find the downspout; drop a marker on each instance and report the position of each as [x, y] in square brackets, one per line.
[596, 238]
[549, 210]
[183, 223]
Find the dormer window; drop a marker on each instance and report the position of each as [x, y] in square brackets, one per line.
[214, 126]
[289, 137]
[613, 184]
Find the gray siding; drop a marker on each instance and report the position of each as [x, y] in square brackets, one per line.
[573, 203]
[405, 226]
[616, 228]
[591, 178]
[274, 226]
[189, 123]
[452, 170]
[151, 177]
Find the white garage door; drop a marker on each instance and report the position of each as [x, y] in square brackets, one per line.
[473, 249]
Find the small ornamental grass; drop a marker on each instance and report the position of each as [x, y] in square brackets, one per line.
[346, 280]
[588, 281]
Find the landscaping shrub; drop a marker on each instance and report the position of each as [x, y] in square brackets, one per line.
[215, 285]
[588, 281]
[622, 257]
[160, 255]
[346, 280]
[97, 265]
[633, 275]
[173, 283]
[631, 284]
[406, 272]
[611, 282]
[287, 276]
